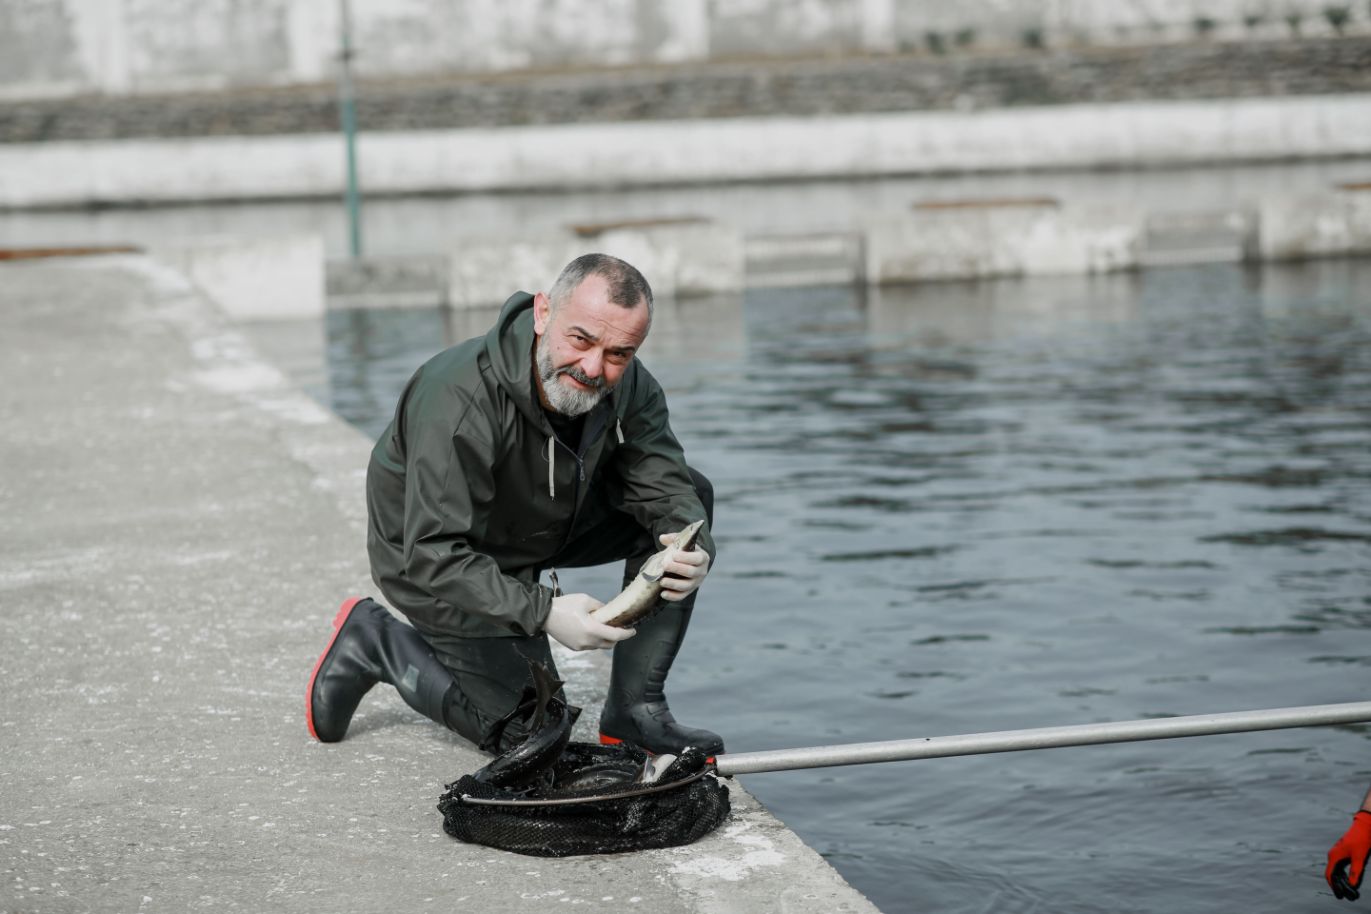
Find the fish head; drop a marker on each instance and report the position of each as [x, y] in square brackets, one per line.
[545, 687]
[685, 540]
[655, 566]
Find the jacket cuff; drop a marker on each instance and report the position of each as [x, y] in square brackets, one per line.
[542, 607]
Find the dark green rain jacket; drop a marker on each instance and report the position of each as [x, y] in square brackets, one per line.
[470, 494]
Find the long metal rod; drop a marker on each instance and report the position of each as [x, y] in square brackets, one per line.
[1124, 731]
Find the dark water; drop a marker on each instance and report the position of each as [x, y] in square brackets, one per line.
[961, 508]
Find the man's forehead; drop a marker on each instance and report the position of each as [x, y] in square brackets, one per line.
[589, 307]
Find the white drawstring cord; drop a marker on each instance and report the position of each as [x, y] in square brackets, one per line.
[551, 458]
[619, 430]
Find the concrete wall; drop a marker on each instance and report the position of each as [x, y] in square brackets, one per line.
[989, 238]
[68, 47]
[972, 238]
[648, 153]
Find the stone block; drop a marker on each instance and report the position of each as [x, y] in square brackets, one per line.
[483, 274]
[1319, 225]
[258, 278]
[687, 258]
[969, 242]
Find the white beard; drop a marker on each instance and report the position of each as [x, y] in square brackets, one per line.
[563, 399]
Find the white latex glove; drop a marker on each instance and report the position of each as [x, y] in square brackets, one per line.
[570, 623]
[685, 575]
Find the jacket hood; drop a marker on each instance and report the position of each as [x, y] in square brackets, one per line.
[509, 346]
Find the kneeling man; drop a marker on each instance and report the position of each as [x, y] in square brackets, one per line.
[543, 444]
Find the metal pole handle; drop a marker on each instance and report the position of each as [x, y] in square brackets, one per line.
[1043, 738]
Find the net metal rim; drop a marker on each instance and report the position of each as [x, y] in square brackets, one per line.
[596, 798]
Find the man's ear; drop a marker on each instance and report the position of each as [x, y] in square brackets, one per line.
[542, 311]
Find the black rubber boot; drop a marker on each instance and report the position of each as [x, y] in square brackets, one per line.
[636, 711]
[369, 645]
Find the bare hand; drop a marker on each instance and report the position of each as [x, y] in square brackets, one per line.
[570, 624]
[685, 574]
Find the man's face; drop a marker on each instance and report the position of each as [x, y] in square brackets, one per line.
[584, 346]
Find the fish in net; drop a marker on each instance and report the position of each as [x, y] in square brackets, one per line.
[549, 797]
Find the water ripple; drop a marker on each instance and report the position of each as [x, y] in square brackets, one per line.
[925, 552]
[1288, 536]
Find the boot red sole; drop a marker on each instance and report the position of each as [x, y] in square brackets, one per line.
[342, 616]
[607, 740]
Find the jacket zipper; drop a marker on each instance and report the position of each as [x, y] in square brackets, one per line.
[586, 441]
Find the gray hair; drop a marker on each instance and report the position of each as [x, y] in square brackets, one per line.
[627, 287]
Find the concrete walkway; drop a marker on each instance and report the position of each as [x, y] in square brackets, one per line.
[180, 524]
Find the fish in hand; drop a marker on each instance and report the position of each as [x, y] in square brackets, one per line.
[638, 598]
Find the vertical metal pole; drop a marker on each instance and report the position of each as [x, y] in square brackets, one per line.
[348, 112]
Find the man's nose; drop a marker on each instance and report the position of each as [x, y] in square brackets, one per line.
[592, 363]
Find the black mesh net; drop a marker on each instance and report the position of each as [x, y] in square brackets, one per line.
[591, 800]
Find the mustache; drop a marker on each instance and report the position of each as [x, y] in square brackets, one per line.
[577, 375]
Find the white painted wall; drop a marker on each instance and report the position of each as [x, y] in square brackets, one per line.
[65, 47]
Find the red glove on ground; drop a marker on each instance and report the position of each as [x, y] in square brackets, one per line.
[1352, 848]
